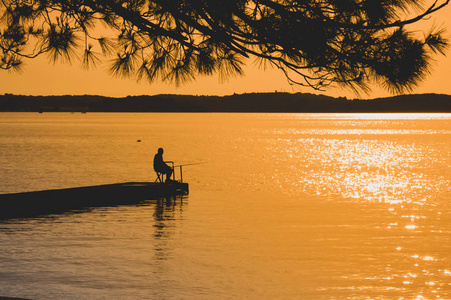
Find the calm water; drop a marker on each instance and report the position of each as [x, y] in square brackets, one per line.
[284, 206]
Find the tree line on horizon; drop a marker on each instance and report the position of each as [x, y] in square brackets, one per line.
[253, 102]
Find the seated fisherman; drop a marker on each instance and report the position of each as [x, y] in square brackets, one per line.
[160, 166]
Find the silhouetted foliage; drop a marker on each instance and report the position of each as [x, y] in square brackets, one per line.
[316, 43]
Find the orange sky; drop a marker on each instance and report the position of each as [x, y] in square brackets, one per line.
[43, 78]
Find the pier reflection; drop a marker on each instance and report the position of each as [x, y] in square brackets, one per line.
[166, 210]
[168, 213]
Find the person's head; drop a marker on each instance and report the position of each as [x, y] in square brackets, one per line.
[160, 150]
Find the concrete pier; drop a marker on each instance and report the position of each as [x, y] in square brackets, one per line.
[56, 201]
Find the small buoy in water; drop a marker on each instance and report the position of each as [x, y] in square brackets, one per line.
[139, 141]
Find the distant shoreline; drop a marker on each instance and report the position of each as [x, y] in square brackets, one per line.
[252, 102]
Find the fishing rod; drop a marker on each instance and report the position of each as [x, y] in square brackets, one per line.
[181, 173]
[199, 163]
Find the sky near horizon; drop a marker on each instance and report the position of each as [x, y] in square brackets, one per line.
[40, 77]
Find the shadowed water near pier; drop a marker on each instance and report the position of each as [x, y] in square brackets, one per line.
[157, 223]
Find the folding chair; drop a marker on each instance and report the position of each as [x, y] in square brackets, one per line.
[159, 177]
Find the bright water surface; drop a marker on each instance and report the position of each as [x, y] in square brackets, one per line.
[285, 206]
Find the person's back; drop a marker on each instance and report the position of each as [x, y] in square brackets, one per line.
[160, 166]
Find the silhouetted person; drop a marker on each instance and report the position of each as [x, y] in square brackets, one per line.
[160, 166]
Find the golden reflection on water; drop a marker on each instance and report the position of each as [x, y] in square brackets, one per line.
[377, 171]
[388, 160]
[373, 157]
[377, 229]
